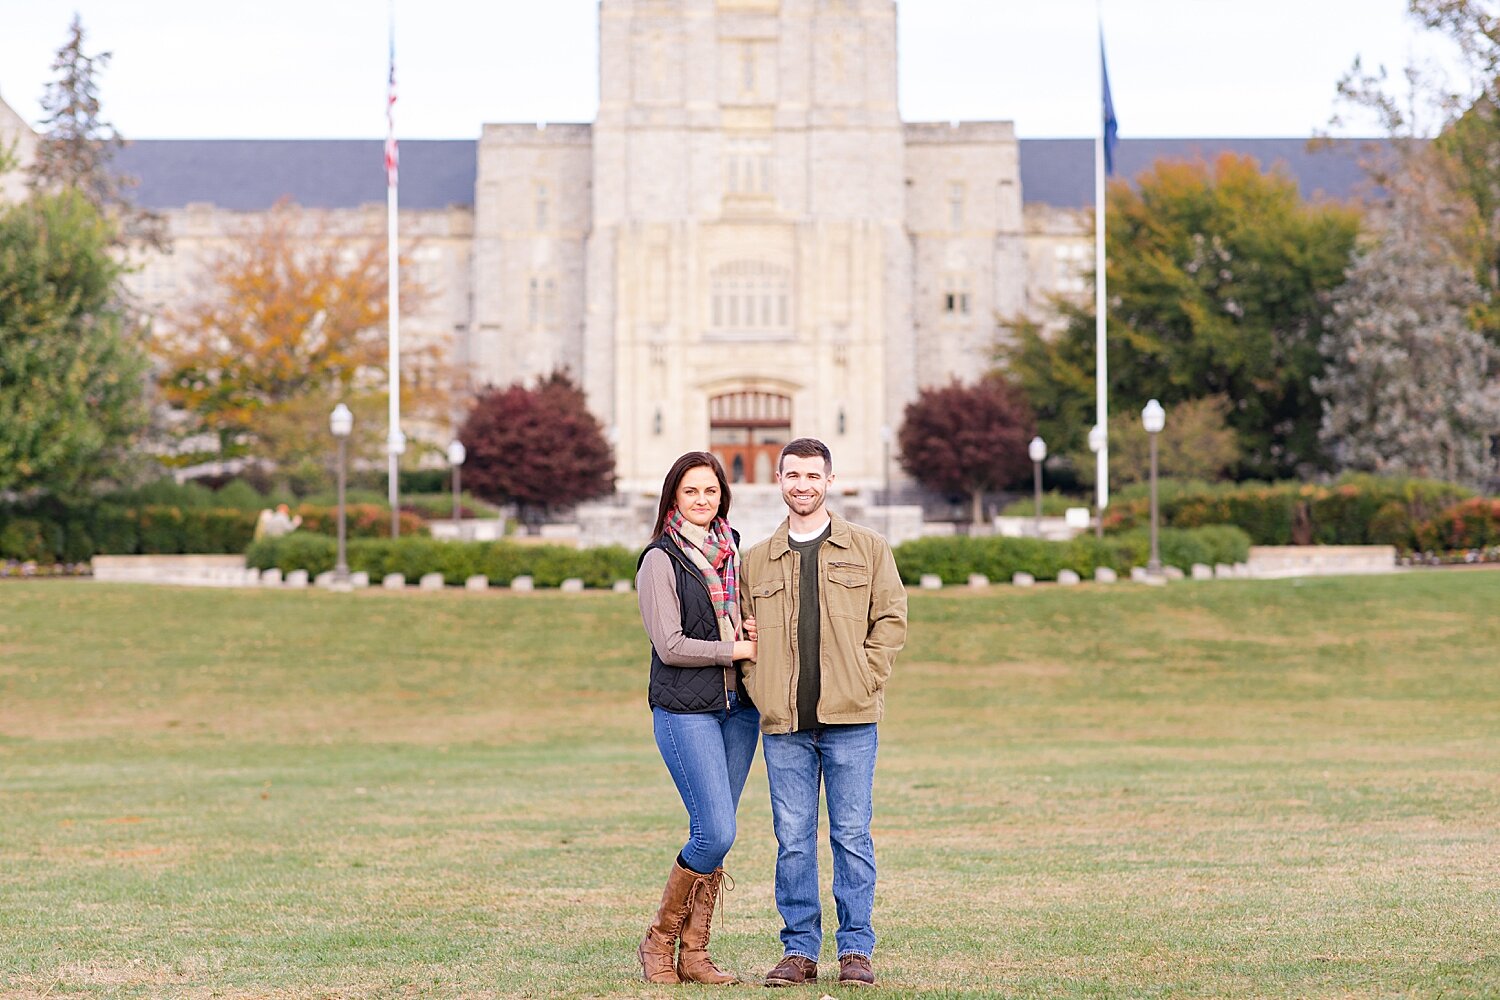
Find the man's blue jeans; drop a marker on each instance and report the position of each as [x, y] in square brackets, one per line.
[709, 755]
[843, 757]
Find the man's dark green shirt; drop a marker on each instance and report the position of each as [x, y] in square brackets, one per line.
[809, 631]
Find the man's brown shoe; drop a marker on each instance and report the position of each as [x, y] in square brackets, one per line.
[794, 970]
[854, 970]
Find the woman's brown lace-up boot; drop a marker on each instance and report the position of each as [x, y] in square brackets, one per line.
[693, 963]
[657, 950]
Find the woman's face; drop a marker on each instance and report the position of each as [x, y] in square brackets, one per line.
[698, 495]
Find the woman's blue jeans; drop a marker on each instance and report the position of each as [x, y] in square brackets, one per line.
[709, 755]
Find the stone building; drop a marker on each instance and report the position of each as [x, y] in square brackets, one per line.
[748, 243]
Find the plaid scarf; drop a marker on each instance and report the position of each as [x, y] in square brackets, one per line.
[713, 553]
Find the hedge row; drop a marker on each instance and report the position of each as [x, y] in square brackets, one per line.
[999, 558]
[1359, 510]
[953, 559]
[62, 534]
[1472, 524]
[502, 562]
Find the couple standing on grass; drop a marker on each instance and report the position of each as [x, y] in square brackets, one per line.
[796, 641]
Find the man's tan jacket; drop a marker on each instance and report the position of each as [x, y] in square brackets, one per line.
[863, 608]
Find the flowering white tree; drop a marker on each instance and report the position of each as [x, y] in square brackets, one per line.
[1410, 386]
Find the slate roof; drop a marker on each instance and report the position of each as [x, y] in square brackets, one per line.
[1060, 172]
[252, 174]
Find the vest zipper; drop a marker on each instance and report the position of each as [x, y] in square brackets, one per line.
[710, 595]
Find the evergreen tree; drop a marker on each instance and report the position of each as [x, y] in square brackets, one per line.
[1410, 385]
[77, 146]
[71, 365]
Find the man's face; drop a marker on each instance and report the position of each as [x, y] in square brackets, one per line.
[804, 483]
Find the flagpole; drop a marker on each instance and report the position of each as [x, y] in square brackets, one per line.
[1101, 298]
[396, 442]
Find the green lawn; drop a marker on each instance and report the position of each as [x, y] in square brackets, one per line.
[1228, 789]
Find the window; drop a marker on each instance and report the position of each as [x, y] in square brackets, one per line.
[542, 206]
[956, 205]
[1072, 264]
[541, 303]
[747, 166]
[956, 295]
[750, 295]
[747, 68]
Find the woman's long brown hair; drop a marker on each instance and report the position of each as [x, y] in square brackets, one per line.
[681, 467]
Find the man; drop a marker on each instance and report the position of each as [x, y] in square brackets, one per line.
[831, 612]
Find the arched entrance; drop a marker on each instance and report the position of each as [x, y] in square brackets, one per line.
[746, 431]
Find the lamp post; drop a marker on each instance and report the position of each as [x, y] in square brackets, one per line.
[1038, 452]
[1154, 418]
[1096, 442]
[456, 456]
[341, 422]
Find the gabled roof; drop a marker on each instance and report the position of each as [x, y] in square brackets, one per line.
[253, 174]
[1060, 172]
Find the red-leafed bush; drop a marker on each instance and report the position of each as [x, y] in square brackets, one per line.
[539, 448]
[968, 438]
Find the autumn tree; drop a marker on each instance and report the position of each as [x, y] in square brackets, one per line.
[967, 438]
[1196, 443]
[289, 322]
[1412, 388]
[538, 447]
[72, 364]
[77, 145]
[1219, 281]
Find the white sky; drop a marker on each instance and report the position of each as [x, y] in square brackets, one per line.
[317, 68]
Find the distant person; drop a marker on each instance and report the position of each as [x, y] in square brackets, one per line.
[274, 524]
[831, 608]
[705, 726]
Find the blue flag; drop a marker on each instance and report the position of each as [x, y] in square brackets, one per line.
[1111, 125]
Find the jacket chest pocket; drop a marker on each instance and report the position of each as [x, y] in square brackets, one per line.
[769, 604]
[848, 590]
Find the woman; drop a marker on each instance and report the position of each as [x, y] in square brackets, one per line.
[705, 726]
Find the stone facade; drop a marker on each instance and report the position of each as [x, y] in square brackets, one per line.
[17, 142]
[748, 244]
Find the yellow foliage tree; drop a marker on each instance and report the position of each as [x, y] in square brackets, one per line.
[290, 321]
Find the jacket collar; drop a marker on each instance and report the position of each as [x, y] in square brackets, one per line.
[781, 537]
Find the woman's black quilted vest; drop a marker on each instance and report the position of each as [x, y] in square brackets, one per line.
[688, 689]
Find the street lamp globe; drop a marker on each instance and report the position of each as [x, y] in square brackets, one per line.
[1154, 417]
[341, 421]
[456, 453]
[1037, 449]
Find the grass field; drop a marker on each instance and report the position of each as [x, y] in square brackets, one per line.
[1231, 789]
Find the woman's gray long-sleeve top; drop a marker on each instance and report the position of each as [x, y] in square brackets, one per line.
[661, 613]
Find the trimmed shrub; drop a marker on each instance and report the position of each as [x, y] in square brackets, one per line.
[1357, 510]
[1471, 524]
[25, 539]
[361, 520]
[415, 557]
[1053, 505]
[954, 559]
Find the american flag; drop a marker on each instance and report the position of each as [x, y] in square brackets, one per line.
[392, 157]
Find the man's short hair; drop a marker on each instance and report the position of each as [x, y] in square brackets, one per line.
[807, 448]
